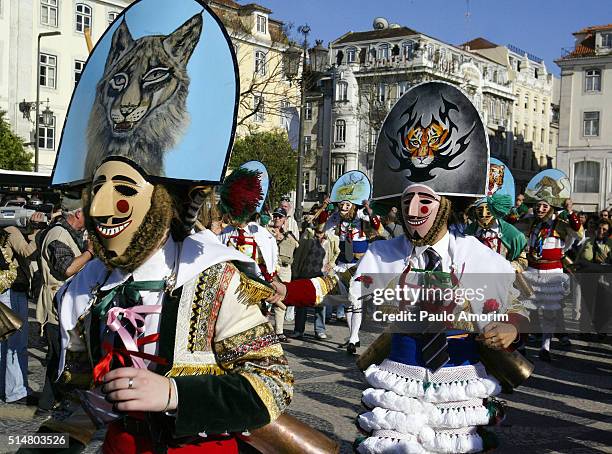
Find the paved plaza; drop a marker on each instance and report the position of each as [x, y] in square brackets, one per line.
[565, 407]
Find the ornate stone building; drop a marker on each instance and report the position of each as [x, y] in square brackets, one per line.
[370, 70]
[585, 129]
[532, 86]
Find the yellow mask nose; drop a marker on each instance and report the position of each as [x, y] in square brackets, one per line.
[102, 203]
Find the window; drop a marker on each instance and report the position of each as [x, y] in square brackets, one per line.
[48, 70]
[542, 137]
[308, 110]
[606, 40]
[46, 134]
[373, 139]
[592, 80]
[340, 135]
[78, 69]
[591, 124]
[259, 108]
[381, 92]
[351, 55]
[306, 180]
[408, 49]
[83, 17]
[430, 52]
[586, 176]
[260, 63]
[338, 169]
[262, 24]
[112, 16]
[285, 114]
[382, 52]
[535, 72]
[342, 91]
[402, 88]
[526, 101]
[535, 104]
[307, 143]
[48, 12]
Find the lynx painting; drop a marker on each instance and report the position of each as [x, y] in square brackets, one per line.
[140, 105]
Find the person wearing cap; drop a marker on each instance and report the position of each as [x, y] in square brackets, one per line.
[161, 333]
[549, 236]
[63, 253]
[287, 244]
[429, 391]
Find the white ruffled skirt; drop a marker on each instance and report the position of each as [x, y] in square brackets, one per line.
[416, 411]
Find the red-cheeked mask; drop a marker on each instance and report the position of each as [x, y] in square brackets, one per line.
[420, 205]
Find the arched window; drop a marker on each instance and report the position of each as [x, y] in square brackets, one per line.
[83, 17]
[260, 62]
[342, 91]
[382, 52]
[586, 176]
[340, 133]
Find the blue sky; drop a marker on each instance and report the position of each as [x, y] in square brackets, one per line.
[541, 27]
[200, 154]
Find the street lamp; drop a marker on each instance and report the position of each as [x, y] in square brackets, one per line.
[299, 193]
[47, 110]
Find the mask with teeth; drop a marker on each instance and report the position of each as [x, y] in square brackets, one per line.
[120, 200]
[425, 214]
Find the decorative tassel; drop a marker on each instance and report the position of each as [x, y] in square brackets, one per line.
[179, 370]
[251, 291]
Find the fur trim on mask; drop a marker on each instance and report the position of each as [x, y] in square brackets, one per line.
[157, 223]
[441, 222]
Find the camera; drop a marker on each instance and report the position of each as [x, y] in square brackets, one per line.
[17, 216]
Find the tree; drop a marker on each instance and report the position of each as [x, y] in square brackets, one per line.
[274, 151]
[12, 154]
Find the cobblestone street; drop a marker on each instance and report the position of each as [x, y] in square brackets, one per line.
[565, 407]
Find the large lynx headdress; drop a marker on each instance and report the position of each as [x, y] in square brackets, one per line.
[160, 91]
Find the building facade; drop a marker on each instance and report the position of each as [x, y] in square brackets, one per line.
[268, 99]
[370, 70]
[585, 125]
[61, 61]
[532, 86]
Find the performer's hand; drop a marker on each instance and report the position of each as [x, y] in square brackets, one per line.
[281, 293]
[498, 335]
[149, 391]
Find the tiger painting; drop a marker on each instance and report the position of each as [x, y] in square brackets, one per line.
[496, 178]
[140, 105]
[423, 143]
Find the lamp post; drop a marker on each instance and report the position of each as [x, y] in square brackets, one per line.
[299, 193]
[47, 110]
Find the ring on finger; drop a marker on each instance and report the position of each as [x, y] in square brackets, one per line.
[130, 383]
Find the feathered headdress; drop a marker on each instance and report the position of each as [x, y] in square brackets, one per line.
[240, 194]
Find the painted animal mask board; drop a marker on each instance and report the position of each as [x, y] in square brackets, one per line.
[160, 83]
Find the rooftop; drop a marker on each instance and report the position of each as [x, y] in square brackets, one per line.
[583, 49]
[371, 35]
[479, 43]
[594, 28]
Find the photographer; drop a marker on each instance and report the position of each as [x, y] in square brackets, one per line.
[22, 252]
[63, 253]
